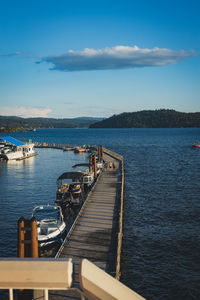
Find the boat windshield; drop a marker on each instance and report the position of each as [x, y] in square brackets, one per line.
[51, 214]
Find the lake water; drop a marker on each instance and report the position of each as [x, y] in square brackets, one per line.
[161, 243]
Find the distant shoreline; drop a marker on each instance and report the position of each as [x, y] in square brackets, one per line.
[163, 118]
[124, 128]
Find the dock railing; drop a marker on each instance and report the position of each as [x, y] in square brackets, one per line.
[35, 274]
[120, 229]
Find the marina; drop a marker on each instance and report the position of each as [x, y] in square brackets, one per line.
[96, 233]
[162, 153]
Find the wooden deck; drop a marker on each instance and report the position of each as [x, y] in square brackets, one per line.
[95, 234]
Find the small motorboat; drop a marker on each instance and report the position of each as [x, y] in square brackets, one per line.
[80, 150]
[197, 145]
[50, 224]
[69, 193]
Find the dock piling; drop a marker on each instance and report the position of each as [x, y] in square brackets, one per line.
[21, 249]
[95, 166]
[27, 238]
[99, 153]
[34, 239]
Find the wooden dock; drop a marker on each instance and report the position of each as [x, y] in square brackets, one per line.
[97, 231]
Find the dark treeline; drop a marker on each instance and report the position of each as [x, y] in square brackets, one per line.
[163, 118]
[9, 123]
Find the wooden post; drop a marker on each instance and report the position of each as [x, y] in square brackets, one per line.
[91, 163]
[34, 238]
[90, 159]
[21, 237]
[37, 294]
[95, 166]
[99, 152]
[21, 248]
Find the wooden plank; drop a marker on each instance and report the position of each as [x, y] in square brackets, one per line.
[94, 235]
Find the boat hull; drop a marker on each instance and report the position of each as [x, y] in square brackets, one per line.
[18, 153]
[50, 224]
[51, 238]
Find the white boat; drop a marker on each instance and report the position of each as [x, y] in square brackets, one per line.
[88, 174]
[88, 179]
[15, 149]
[50, 224]
[100, 165]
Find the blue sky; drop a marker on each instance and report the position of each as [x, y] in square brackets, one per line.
[98, 58]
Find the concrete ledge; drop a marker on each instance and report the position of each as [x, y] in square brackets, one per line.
[36, 273]
[99, 285]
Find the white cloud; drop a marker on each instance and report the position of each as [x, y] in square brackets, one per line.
[118, 57]
[25, 112]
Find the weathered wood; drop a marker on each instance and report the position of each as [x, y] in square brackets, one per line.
[95, 235]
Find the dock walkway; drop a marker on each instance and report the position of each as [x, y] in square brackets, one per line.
[95, 233]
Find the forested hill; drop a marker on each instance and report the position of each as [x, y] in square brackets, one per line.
[163, 118]
[18, 122]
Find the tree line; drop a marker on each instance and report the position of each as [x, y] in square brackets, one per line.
[163, 118]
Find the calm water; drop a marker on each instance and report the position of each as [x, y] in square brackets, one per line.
[161, 215]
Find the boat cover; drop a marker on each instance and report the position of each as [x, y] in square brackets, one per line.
[12, 141]
[71, 175]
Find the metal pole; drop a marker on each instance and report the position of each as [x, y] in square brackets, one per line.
[46, 294]
[10, 294]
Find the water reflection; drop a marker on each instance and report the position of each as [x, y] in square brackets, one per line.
[25, 162]
[26, 184]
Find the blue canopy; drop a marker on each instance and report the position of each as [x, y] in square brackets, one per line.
[12, 141]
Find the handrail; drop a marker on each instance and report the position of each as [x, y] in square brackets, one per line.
[97, 284]
[120, 232]
[33, 273]
[56, 274]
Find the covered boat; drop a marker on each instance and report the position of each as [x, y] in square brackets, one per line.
[88, 174]
[69, 193]
[50, 224]
[15, 150]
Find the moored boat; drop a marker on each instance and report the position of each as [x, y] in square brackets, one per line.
[69, 193]
[88, 175]
[15, 149]
[50, 224]
[197, 145]
[80, 150]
